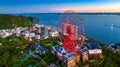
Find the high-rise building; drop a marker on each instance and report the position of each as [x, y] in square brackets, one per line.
[44, 32]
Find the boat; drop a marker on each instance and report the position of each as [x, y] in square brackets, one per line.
[112, 26]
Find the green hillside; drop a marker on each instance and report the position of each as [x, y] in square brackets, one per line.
[10, 21]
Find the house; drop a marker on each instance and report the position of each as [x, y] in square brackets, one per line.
[68, 58]
[54, 33]
[84, 54]
[94, 51]
[32, 34]
[37, 36]
[39, 49]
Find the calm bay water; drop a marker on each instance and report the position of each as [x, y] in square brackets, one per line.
[97, 26]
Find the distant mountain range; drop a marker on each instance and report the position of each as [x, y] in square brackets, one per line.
[91, 13]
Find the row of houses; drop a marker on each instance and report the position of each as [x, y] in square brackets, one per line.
[16, 31]
[35, 32]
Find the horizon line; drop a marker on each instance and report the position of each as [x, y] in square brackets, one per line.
[56, 12]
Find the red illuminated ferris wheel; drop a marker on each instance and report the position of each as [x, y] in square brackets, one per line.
[71, 29]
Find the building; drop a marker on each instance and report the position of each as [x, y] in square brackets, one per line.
[68, 58]
[44, 32]
[37, 36]
[36, 47]
[54, 33]
[89, 52]
[39, 49]
[84, 55]
[94, 51]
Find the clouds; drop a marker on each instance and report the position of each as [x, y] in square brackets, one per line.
[88, 8]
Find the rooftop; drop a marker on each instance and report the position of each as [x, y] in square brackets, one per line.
[82, 51]
[92, 46]
[60, 50]
[39, 48]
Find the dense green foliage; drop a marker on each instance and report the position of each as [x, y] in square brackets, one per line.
[11, 56]
[34, 62]
[13, 40]
[49, 58]
[109, 59]
[10, 21]
[49, 42]
[10, 51]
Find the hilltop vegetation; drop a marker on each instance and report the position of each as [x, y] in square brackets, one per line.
[10, 51]
[11, 56]
[10, 21]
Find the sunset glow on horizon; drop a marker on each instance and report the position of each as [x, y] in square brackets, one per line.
[90, 8]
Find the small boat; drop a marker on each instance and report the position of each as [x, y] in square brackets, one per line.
[112, 26]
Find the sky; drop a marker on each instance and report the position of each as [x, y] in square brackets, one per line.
[56, 6]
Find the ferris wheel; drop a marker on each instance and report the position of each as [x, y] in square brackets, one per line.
[71, 29]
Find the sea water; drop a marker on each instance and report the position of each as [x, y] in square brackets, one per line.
[97, 26]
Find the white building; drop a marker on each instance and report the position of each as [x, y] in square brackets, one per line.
[54, 33]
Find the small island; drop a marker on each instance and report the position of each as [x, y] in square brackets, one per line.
[33, 19]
